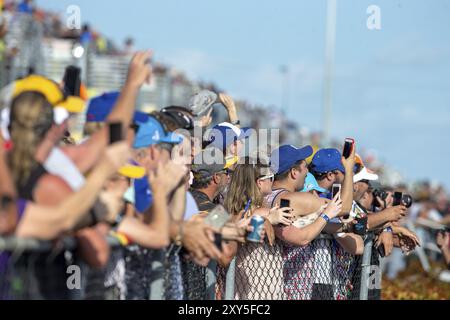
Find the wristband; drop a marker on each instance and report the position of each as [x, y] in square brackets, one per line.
[179, 238]
[325, 217]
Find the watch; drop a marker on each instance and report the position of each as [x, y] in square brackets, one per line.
[179, 238]
[236, 123]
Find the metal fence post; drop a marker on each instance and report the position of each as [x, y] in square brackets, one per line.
[229, 283]
[365, 268]
[157, 279]
[211, 280]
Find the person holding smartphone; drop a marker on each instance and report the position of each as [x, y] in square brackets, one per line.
[329, 167]
[251, 181]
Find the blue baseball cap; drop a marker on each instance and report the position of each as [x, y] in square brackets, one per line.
[284, 158]
[326, 160]
[101, 106]
[224, 134]
[152, 132]
[140, 117]
[311, 184]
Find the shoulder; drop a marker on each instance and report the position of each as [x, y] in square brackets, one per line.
[51, 190]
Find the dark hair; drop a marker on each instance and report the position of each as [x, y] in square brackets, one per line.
[201, 183]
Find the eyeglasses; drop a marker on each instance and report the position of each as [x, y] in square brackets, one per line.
[269, 177]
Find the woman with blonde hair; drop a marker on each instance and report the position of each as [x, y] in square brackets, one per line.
[251, 182]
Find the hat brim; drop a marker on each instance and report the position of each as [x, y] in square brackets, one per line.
[365, 175]
[245, 133]
[300, 154]
[231, 162]
[72, 104]
[172, 138]
[132, 171]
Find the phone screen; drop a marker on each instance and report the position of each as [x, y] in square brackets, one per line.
[217, 217]
[335, 190]
[115, 132]
[218, 241]
[397, 198]
[348, 145]
[284, 203]
[381, 251]
[72, 81]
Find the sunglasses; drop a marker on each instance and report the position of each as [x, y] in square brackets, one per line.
[166, 146]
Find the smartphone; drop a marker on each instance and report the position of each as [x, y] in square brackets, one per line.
[284, 203]
[218, 241]
[397, 199]
[381, 251]
[72, 81]
[115, 132]
[348, 147]
[217, 217]
[335, 190]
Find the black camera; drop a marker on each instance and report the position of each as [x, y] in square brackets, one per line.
[380, 193]
[407, 200]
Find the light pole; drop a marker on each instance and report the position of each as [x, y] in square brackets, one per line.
[329, 69]
[284, 70]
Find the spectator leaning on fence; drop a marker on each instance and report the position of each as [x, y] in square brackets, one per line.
[152, 234]
[385, 221]
[251, 182]
[289, 165]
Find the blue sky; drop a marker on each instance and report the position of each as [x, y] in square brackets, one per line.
[391, 86]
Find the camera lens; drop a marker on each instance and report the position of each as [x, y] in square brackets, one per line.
[407, 200]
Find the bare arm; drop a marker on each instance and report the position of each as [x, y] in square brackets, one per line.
[303, 203]
[8, 215]
[228, 102]
[48, 222]
[347, 187]
[303, 236]
[149, 236]
[178, 203]
[352, 243]
[391, 214]
[87, 154]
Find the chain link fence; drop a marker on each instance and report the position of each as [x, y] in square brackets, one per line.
[322, 270]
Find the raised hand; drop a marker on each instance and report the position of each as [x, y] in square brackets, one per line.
[116, 155]
[334, 207]
[139, 70]
[279, 216]
[167, 176]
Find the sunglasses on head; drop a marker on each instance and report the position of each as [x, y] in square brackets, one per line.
[180, 118]
[270, 177]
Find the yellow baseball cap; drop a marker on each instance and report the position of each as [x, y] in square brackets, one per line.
[50, 90]
[132, 171]
[230, 161]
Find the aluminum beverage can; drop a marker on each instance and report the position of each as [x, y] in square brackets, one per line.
[257, 223]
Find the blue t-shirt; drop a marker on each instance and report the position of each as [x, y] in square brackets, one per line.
[143, 197]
